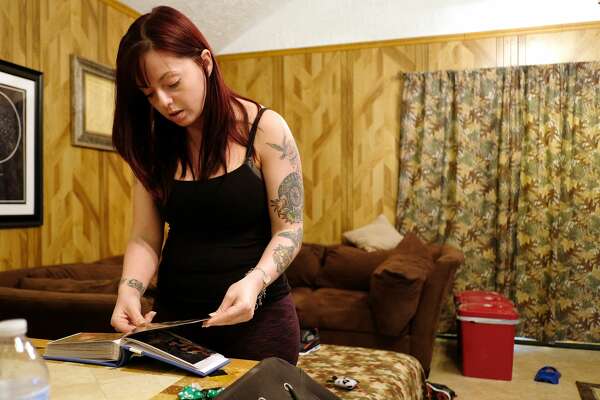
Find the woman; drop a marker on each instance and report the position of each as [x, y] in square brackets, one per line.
[225, 174]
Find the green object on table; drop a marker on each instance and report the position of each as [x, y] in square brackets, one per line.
[212, 393]
[194, 392]
[191, 392]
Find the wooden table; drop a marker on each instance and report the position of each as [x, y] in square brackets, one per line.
[142, 378]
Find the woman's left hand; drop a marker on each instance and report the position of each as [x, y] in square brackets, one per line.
[239, 302]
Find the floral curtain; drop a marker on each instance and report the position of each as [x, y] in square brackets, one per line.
[505, 164]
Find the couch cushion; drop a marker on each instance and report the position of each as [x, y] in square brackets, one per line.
[347, 267]
[111, 260]
[344, 310]
[305, 267]
[70, 285]
[435, 250]
[306, 307]
[378, 235]
[396, 285]
[78, 271]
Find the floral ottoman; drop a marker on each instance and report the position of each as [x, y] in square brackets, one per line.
[382, 375]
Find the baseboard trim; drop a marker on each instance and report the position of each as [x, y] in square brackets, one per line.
[533, 342]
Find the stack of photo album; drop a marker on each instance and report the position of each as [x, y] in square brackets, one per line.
[154, 340]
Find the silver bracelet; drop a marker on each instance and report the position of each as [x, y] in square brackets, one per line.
[263, 292]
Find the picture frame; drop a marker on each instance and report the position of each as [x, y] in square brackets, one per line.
[92, 103]
[21, 158]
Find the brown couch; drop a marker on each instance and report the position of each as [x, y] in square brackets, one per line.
[384, 299]
[63, 299]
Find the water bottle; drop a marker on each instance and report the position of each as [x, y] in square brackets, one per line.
[23, 373]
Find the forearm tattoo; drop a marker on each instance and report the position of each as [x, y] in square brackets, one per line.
[289, 203]
[134, 283]
[282, 255]
[294, 236]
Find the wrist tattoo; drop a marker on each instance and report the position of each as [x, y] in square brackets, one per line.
[134, 283]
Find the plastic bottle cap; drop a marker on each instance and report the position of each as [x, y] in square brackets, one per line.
[13, 327]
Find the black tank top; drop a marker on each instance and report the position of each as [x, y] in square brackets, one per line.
[218, 230]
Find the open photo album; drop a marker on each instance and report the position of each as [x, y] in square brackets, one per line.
[155, 340]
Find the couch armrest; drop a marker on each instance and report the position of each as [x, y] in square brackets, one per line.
[10, 278]
[52, 315]
[424, 324]
[395, 292]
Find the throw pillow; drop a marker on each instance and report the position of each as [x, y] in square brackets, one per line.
[396, 285]
[378, 235]
[70, 285]
[347, 267]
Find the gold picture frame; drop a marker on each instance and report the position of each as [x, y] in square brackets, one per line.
[92, 103]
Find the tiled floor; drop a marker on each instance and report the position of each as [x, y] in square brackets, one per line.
[580, 365]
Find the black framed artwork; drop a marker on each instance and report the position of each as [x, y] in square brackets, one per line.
[21, 177]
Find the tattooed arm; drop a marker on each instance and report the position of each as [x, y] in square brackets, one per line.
[140, 262]
[282, 173]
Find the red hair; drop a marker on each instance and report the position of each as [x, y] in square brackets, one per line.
[148, 142]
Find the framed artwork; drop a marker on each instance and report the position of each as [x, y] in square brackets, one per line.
[21, 159]
[92, 103]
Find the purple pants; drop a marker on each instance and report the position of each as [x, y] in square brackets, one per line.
[274, 331]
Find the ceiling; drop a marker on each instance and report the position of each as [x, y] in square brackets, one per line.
[238, 26]
[220, 21]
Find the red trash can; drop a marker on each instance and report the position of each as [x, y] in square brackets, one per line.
[488, 337]
[479, 296]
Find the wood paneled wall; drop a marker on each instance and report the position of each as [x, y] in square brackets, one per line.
[87, 193]
[342, 104]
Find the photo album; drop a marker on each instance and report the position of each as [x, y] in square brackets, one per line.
[153, 340]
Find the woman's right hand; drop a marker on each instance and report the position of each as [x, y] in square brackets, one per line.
[127, 314]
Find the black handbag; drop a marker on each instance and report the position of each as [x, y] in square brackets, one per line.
[276, 379]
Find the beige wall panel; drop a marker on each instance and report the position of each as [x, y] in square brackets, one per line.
[349, 164]
[119, 212]
[312, 93]
[73, 206]
[376, 94]
[561, 47]
[251, 77]
[19, 44]
[56, 231]
[85, 28]
[13, 32]
[20, 248]
[116, 24]
[507, 51]
[480, 53]
[116, 176]
[78, 183]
